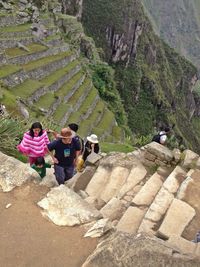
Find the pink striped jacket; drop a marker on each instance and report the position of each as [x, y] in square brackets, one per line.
[34, 146]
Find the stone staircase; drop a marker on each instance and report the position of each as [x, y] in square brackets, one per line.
[47, 76]
[158, 199]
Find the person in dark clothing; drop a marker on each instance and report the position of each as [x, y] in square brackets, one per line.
[74, 128]
[92, 145]
[66, 150]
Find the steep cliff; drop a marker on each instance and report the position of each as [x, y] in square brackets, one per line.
[155, 82]
[178, 23]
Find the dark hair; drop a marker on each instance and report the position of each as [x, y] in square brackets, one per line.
[167, 129]
[34, 126]
[39, 161]
[73, 127]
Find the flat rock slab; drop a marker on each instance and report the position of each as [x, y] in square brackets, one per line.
[113, 209]
[160, 151]
[14, 173]
[122, 249]
[181, 244]
[64, 207]
[131, 220]
[177, 218]
[190, 159]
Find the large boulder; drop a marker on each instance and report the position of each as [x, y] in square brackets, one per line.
[14, 173]
[122, 249]
[64, 207]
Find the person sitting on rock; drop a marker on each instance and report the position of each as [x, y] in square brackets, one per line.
[92, 145]
[162, 136]
[40, 166]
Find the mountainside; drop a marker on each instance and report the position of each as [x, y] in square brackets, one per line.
[155, 82]
[178, 23]
[43, 74]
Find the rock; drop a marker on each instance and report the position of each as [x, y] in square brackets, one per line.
[160, 151]
[179, 213]
[136, 175]
[49, 180]
[99, 228]
[177, 154]
[93, 159]
[116, 181]
[8, 205]
[190, 159]
[24, 2]
[23, 14]
[148, 192]
[181, 244]
[98, 182]
[81, 179]
[14, 173]
[6, 6]
[64, 207]
[131, 220]
[97, 203]
[122, 249]
[113, 209]
[23, 47]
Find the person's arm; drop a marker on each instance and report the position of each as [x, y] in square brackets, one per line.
[96, 148]
[50, 147]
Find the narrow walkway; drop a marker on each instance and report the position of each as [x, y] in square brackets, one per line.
[28, 239]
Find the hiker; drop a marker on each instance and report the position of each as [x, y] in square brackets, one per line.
[40, 166]
[162, 136]
[74, 129]
[66, 150]
[34, 143]
[2, 110]
[92, 145]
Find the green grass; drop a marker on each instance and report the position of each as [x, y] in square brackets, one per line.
[106, 120]
[44, 61]
[98, 110]
[117, 132]
[60, 112]
[27, 88]
[46, 101]
[56, 75]
[109, 147]
[75, 97]
[16, 28]
[84, 127]
[74, 117]
[34, 48]
[7, 70]
[89, 99]
[69, 84]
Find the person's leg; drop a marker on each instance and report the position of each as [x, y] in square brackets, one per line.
[69, 172]
[60, 174]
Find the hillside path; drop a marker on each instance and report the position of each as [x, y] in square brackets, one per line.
[28, 239]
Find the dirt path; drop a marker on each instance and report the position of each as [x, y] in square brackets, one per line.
[28, 239]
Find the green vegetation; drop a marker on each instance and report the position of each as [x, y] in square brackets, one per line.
[109, 147]
[33, 48]
[27, 88]
[7, 70]
[16, 28]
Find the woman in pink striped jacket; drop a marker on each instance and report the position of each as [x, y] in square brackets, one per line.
[34, 143]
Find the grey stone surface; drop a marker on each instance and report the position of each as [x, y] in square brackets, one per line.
[14, 173]
[64, 207]
[160, 151]
[126, 250]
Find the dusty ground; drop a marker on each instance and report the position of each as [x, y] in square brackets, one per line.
[28, 239]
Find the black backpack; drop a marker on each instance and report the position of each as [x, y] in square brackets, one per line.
[156, 137]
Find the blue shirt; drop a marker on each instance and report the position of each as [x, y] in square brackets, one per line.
[65, 153]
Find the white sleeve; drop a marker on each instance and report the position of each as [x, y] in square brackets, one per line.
[163, 139]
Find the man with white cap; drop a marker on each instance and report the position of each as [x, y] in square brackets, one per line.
[92, 145]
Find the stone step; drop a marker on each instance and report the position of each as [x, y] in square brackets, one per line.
[131, 220]
[179, 213]
[6, 43]
[115, 182]
[137, 174]
[33, 56]
[44, 67]
[12, 75]
[148, 192]
[76, 99]
[113, 209]
[162, 200]
[98, 182]
[58, 101]
[55, 81]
